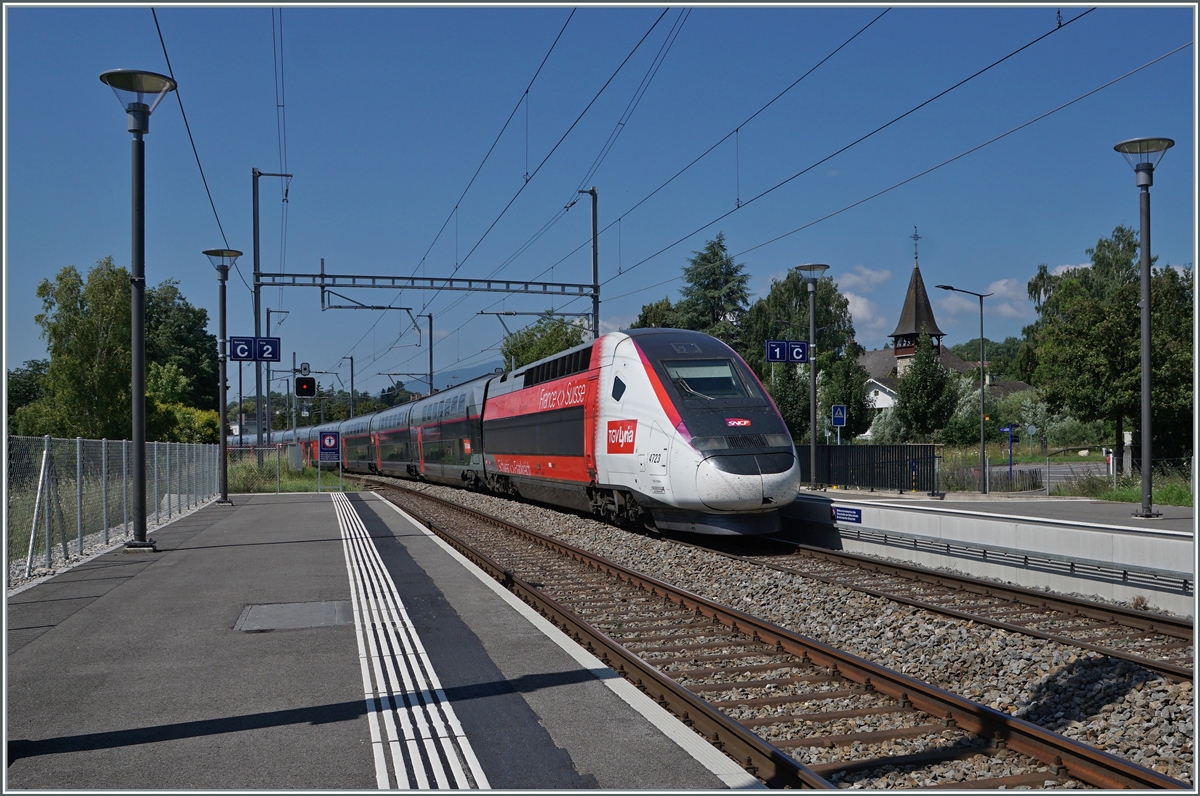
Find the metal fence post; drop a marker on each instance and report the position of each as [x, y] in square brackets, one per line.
[79, 491]
[104, 491]
[157, 501]
[169, 482]
[125, 485]
[278, 473]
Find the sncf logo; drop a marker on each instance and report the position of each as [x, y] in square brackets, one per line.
[621, 434]
[736, 422]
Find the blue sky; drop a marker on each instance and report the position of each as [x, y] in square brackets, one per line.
[390, 111]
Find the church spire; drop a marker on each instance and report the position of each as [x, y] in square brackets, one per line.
[916, 317]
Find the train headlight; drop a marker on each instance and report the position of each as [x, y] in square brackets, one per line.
[709, 443]
[778, 440]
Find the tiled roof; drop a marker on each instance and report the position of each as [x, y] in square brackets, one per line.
[917, 315]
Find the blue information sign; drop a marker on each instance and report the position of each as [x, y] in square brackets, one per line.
[266, 349]
[839, 415]
[795, 351]
[241, 349]
[330, 447]
[841, 514]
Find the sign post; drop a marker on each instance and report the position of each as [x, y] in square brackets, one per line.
[1009, 430]
[839, 419]
[329, 449]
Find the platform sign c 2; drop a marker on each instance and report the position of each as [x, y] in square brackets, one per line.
[331, 449]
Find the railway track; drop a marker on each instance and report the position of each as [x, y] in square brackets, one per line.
[1157, 642]
[793, 711]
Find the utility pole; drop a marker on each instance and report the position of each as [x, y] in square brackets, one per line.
[595, 264]
[258, 397]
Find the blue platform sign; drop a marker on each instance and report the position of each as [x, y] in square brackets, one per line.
[797, 351]
[331, 449]
[841, 514]
[839, 415]
[777, 351]
[266, 349]
[241, 349]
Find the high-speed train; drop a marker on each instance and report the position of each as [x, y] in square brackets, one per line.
[649, 426]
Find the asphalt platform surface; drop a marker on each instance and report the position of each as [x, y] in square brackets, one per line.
[229, 661]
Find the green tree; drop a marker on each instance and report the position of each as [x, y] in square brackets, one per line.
[544, 338]
[845, 383]
[1001, 358]
[86, 328]
[788, 386]
[25, 384]
[1087, 343]
[176, 334]
[783, 314]
[926, 393]
[715, 293]
[657, 315]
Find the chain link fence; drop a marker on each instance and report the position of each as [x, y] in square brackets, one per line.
[259, 469]
[70, 497]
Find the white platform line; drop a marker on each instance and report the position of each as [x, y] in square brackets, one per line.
[729, 772]
[404, 678]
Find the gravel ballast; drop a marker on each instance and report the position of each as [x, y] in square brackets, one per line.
[1104, 702]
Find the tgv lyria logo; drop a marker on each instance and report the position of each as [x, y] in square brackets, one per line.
[621, 435]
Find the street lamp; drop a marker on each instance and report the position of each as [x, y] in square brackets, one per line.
[139, 94]
[812, 272]
[222, 259]
[983, 473]
[1144, 154]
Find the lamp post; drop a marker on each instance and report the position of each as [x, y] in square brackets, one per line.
[812, 272]
[1144, 154]
[139, 94]
[222, 259]
[983, 474]
[352, 377]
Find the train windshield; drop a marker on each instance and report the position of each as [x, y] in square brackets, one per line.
[707, 379]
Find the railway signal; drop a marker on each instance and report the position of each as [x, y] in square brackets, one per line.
[306, 387]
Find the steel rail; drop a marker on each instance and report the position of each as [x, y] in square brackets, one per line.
[1092, 766]
[1144, 621]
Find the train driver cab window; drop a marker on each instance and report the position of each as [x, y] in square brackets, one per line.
[707, 379]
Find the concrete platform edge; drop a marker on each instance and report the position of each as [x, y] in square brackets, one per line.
[704, 753]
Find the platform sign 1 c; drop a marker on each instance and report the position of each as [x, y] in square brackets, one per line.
[794, 351]
[330, 447]
[839, 415]
[777, 351]
[797, 351]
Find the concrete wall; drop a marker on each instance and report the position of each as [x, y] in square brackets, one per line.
[1171, 551]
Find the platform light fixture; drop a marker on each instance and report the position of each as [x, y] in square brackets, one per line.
[139, 93]
[222, 259]
[1144, 155]
[812, 273]
[983, 473]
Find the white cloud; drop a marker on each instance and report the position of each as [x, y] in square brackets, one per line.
[1009, 290]
[616, 323]
[866, 317]
[957, 304]
[1062, 269]
[862, 279]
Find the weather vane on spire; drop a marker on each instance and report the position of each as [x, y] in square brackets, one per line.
[915, 238]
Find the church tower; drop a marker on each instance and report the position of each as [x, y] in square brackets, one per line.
[916, 318]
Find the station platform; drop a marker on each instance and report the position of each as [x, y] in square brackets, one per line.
[320, 642]
[1071, 545]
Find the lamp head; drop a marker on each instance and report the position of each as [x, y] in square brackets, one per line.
[1144, 155]
[812, 270]
[222, 257]
[139, 93]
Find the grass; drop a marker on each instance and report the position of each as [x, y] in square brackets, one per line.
[249, 477]
[1170, 488]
